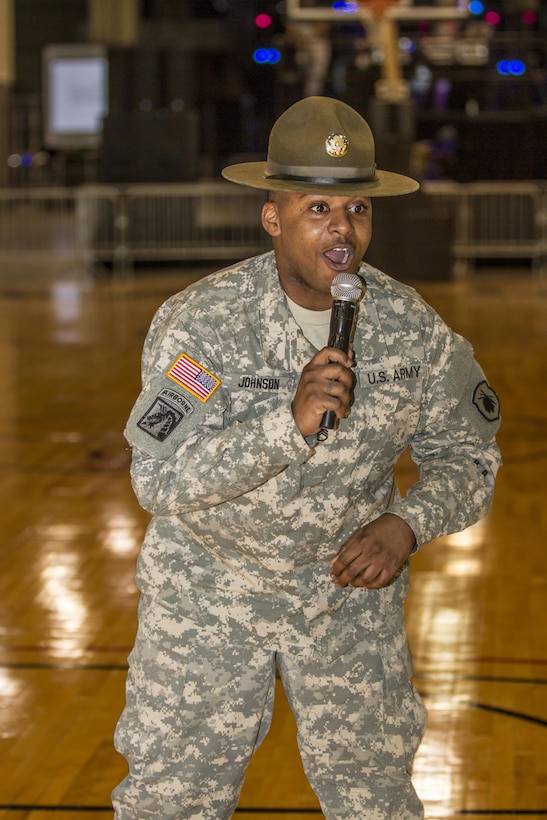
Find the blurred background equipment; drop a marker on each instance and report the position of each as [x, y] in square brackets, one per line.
[74, 95]
[167, 92]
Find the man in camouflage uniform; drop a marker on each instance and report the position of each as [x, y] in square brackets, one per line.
[270, 547]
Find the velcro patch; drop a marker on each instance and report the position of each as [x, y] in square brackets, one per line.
[486, 401]
[162, 417]
[193, 377]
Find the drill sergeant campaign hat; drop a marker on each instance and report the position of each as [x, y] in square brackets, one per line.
[321, 145]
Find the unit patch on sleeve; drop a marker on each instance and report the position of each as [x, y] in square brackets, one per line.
[486, 401]
[193, 377]
[162, 417]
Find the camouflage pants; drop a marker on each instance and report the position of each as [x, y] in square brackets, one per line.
[198, 707]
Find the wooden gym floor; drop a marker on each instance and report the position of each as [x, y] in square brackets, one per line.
[71, 528]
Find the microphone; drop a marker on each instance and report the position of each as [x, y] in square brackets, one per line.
[347, 290]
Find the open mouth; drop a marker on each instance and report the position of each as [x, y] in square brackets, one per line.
[339, 256]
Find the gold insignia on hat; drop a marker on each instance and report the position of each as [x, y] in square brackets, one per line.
[337, 145]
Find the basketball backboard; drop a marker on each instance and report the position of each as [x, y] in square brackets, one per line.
[340, 12]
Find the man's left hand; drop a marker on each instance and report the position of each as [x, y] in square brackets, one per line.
[373, 554]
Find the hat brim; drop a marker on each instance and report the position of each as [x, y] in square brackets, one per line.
[253, 174]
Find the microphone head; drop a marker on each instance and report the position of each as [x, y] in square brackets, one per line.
[347, 286]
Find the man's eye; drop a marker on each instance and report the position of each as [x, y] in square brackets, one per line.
[319, 208]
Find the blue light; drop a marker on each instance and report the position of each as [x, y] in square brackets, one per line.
[517, 67]
[345, 8]
[407, 45]
[514, 68]
[267, 56]
[261, 55]
[476, 7]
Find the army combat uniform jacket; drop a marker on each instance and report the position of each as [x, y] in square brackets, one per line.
[246, 513]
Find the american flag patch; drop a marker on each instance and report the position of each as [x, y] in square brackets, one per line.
[192, 376]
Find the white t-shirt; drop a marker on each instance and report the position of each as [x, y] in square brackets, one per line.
[315, 324]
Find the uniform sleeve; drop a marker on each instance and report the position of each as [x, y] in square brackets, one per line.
[186, 453]
[454, 446]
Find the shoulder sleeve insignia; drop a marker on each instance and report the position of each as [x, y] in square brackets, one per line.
[193, 377]
[486, 401]
[162, 417]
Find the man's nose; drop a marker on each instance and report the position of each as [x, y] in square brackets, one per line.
[341, 222]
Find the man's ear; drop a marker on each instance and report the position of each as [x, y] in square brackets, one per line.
[270, 218]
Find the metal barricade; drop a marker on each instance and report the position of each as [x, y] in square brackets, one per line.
[206, 220]
[216, 220]
[495, 221]
[101, 225]
[37, 222]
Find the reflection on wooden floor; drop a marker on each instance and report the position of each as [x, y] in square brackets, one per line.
[71, 528]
